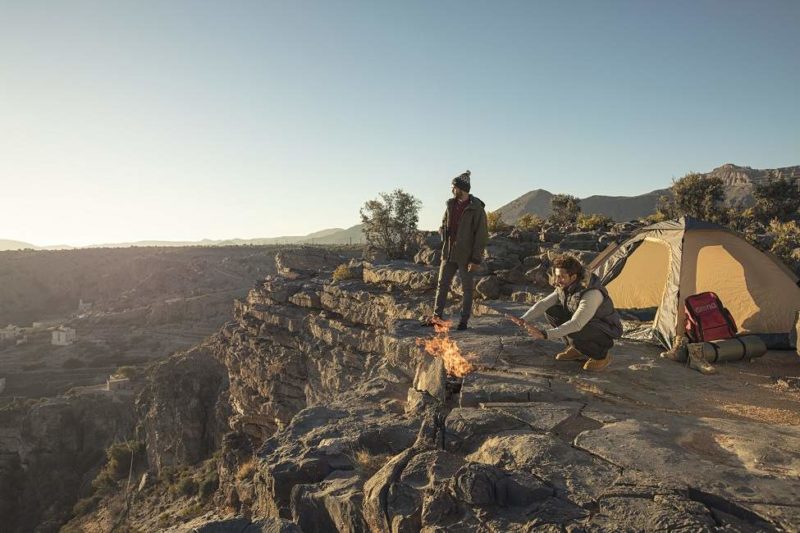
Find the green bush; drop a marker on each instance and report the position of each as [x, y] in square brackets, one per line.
[566, 209]
[186, 486]
[787, 239]
[209, 485]
[658, 216]
[127, 371]
[777, 199]
[700, 197]
[120, 457]
[594, 222]
[86, 505]
[495, 223]
[390, 222]
[529, 222]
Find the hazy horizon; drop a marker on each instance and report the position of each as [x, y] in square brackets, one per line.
[185, 121]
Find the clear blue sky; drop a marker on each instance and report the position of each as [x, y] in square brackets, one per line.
[182, 120]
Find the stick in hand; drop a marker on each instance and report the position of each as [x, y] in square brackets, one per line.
[532, 331]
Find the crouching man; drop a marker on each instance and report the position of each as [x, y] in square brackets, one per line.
[580, 311]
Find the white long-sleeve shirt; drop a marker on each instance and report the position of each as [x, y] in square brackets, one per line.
[587, 306]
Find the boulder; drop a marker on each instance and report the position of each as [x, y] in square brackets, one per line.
[527, 236]
[493, 264]
[431, 377]
[488, 287]
[532, 261]
[428, 256]
[538, 276]
[524, 296]
[428, 239]
[332, 505]
[584, 240]
[503, 247]
[512, 276]
[550, 235]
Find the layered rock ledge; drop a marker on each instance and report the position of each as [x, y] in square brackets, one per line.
[323, 413]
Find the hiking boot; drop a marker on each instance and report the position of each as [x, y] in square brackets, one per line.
[570, 354]
[697, 359]
[595, 365]
[678, 352]
[462, 326]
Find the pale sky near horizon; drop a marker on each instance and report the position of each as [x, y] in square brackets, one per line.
[183, 120]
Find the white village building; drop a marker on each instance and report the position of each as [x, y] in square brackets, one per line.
[63, 336]
[9, 333]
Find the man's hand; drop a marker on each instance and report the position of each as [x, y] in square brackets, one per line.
[534, 332]
[472, 267]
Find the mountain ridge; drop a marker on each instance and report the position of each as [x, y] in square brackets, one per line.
[351, 235]
[739, 183]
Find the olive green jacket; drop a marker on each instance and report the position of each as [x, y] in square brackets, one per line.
[468, 245]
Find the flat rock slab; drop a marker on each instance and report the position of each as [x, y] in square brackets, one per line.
[743, 463]
[467, 428]
[539, 416]
[577, 475]
[483, 387]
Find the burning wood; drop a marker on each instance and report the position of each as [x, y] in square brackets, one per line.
[441, 345]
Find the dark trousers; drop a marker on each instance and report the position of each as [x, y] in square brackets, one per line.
[591, 341]
[447, 270]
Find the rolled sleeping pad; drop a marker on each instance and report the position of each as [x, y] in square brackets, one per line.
[734, 349]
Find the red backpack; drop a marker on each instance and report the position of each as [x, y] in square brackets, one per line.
[707, 319]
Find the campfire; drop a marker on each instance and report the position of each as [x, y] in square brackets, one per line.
[441, 345]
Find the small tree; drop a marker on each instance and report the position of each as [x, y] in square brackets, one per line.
[665, 209]
[566, 209]
[594, 222]
[699, 197]
[777, 199]
[529, 222]
[390, 222]
[494, 222]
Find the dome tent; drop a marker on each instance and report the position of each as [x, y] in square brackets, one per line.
[662, 264]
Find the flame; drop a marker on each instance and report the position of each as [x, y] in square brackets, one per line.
[443, 346]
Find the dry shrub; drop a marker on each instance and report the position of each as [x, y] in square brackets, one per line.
[247, 469]
[343, 272]
[367, 463]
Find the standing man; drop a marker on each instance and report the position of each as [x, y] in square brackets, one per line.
[580, 311]
[464, 236]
